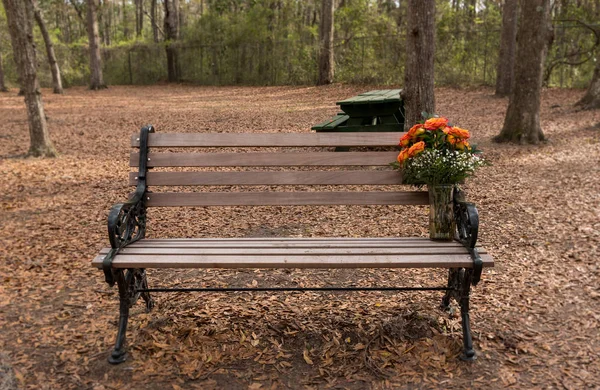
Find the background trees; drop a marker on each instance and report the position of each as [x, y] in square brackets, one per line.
[20, 18]
[3, 87]
[172, 18]
[508, 44]
[522, 123]
[277, 41]
[326, 62]
[54, 69]
[418, 93]
[96, 76]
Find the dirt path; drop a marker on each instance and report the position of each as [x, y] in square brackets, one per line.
[536, 316]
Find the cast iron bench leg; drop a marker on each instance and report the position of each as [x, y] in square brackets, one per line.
[459, 288]
[452, 275]
[118, 355]
[129, 284]
[469, 352]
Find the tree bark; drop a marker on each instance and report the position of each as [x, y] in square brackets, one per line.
[418, 94]
[96, 78]
[2, 84]
[508, 44]
[172, 35]
[522, 122]
[591, 99]
[153, 20]
[139, 17]
[54, 69]
[20, 15]
[326, 62]
[107, 25]
[124, 18]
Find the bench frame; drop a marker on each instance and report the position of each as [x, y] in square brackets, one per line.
[127, 224]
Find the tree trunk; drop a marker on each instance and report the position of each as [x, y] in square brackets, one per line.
[96, 78]
[418, 94]
[124, 18]
[107, 27]
[326, 64]
[172, 35]
[153, 21]
[508, 43]
[139, 17]
[522, 122]
[56, 80]
[2, 84]
[591, 99]
[20, 15]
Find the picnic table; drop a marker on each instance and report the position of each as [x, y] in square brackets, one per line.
[378, 110]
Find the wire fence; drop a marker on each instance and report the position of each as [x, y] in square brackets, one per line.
[369, 59]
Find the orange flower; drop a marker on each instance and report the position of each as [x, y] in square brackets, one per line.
[403, 155]
[459, 133]
[405, 140]
[415, 131]
[462, 145]
[416, 149]
[436, 123]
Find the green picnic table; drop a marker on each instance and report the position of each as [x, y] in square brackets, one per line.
[379, 110]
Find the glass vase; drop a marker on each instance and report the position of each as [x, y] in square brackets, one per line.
[441, 212]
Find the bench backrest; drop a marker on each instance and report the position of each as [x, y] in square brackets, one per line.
[273, 159]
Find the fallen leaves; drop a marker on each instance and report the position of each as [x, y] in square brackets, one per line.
[306, 356]
[534, 317]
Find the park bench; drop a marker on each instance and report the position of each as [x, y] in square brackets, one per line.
[300, 160]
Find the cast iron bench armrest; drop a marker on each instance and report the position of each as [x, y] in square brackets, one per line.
[127, 221]
[467, 225]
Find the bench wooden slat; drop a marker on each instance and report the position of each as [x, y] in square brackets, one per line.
[277, 242]
[423, 240]
[255, 178]
[174, 199]
[294, 251]
[266, 159]
[271, 248]
[200, 140]
[284, 244]
[293, 261]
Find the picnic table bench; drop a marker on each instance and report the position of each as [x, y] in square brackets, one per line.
[299, 160]
[378, 110]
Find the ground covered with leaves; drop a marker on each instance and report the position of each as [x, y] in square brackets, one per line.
[535, 316]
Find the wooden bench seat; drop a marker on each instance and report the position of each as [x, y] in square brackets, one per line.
[293, 253]
[275, 169]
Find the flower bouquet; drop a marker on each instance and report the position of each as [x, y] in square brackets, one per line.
[439, 155]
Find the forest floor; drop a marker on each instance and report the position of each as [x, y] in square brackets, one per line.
[535, 316]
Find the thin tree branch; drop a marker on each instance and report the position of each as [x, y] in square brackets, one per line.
[78, 9]
[154, 23]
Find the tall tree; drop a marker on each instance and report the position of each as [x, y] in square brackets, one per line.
[20, 16]
[96, 78]
[418, 94]
[139, 17]
[153, 20]
[2, 84]
[508, 44]
[326, 63]
[172, 35]
[54, 69]
[522, 122]
[591, 99]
